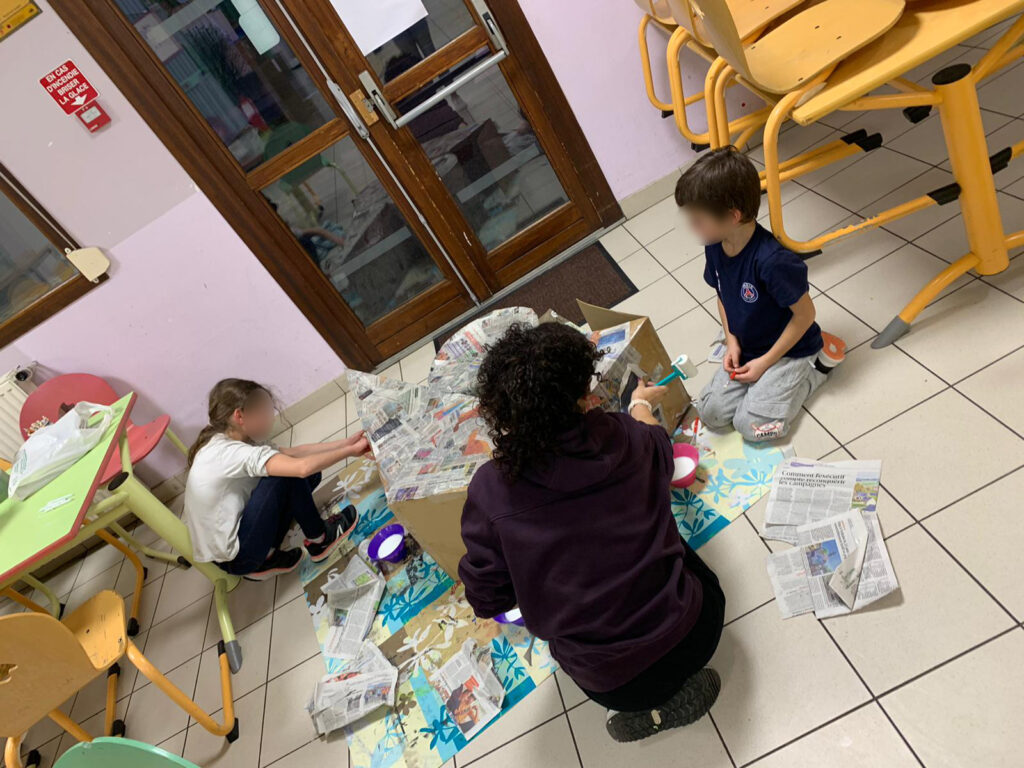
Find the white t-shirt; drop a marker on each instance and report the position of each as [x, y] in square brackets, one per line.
[221, 479]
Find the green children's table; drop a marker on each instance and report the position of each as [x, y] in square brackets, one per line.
[62, 514]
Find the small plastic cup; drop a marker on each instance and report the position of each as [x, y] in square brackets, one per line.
[686, 458]
[514, 616]
[388, 544]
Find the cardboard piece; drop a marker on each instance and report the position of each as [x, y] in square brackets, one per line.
[653, 359]
[435, 520]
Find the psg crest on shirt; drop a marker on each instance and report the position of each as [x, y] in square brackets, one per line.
[748, 293]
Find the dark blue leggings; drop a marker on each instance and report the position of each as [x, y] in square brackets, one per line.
[275, 503]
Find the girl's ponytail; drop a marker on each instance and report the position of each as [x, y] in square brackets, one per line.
[227, 396]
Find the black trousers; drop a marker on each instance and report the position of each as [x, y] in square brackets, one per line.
[659, 682]
[275, 503]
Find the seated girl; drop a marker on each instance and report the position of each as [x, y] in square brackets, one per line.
[571, 522]
[243, 494]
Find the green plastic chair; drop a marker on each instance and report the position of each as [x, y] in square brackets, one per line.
[110, 752]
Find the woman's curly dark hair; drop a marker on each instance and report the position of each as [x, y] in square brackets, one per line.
[529, 386]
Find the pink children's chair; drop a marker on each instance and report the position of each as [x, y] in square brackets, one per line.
[53, 398]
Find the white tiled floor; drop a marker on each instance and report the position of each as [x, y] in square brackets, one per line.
[931, 676]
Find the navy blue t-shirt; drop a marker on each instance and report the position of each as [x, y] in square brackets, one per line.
[757, 287]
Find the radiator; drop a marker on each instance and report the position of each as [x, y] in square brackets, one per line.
[13, 394]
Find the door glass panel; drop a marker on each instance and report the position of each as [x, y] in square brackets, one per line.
[236, 69]
[445, 20]
[347, 223]
[486, 153]
[30, 265]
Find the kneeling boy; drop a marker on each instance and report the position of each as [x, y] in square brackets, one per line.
[771, 362]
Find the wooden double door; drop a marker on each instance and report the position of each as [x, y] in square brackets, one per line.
[393, 163]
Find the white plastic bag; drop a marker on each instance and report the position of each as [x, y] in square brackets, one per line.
[54, 448]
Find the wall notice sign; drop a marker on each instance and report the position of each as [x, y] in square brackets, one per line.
[14, 14]
[68, 87]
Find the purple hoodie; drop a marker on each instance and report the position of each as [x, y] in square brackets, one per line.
[588, 549]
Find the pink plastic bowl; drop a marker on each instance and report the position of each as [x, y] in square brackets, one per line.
[687, 457]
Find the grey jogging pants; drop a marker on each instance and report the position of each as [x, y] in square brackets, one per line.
[765, 409]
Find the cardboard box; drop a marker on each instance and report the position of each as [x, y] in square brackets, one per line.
[435, 520]
[653, 359]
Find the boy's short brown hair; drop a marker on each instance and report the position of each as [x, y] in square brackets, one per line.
[720, 181]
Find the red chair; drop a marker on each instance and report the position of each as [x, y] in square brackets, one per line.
[53, 398]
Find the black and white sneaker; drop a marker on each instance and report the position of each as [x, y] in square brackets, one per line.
[688, 705]
[282, 561]
[339, 526]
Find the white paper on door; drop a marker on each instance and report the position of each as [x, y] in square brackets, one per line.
[373, 22]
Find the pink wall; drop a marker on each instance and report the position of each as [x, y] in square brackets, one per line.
[593, 49]
[187, 302]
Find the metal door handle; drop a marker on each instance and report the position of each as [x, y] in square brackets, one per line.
[454, 85]
[385, 108]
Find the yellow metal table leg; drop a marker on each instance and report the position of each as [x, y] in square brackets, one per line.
[968, 154]
[168, 527]
[56, 606]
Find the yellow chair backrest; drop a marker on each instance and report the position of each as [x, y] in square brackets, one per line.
[42, 664]
[717, 26]
[683, 15]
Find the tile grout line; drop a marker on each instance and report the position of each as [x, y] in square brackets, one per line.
[951, 659]
[721, 738]
[993, 481]
[529, 730]
[874, 698]
[806, 733]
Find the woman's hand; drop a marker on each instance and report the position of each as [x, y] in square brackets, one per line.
[731, 361]
[650, 392]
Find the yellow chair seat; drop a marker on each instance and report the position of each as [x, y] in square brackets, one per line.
[751, 16]
[926, 28]
[815, 39]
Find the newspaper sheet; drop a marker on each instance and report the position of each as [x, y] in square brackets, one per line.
[837, 559]
[352, 598]
[459, 358]
[427, 440]
[472, 693]
[367, 684]
[806, 491]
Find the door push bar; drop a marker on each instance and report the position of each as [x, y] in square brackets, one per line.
[396, 121]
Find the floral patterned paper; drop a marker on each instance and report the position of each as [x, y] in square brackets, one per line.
[423, 617]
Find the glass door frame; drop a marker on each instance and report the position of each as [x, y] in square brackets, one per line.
[140, 75]
[591, 204]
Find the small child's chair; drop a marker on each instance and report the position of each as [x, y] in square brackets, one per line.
[43, 662]
[106, 752]
[54, 397]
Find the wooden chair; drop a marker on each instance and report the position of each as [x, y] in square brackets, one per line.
[925, 29]
[751, 18]
[43, 662]
[791, 54]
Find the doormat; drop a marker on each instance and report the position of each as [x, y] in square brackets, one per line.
[423, 617]
[591, 275]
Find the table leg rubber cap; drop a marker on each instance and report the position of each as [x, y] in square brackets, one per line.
[234, 652]
[896, 329]
[232, 736]
[33, 759]
[118, 728]
[60, 610]
[133, 627]
[183, 562]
